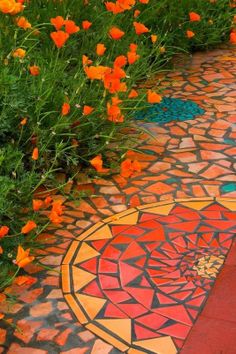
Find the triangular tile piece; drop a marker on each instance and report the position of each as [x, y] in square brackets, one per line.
[85, 252]
[162, 345]
[181, 295]
[221, 224]
[130, 219]
[120, 327]
[128, 273]
[197, 205]
[144, 333]
[156, 235]
[102, 233]
[93, 289]
[117, 296]
[133, 310]
[133, 250]
[152, 320]
[81, 278]
[140, 262]
[165, 300]
[189, 226]
[118, 229]
[111, 253]
[98, 245]
[90, 265]
[144, 282]
[161, 210]
[177, 330]
[92, 305]
[113, 311]
[143, 296]
[197, 302]
[176, 313]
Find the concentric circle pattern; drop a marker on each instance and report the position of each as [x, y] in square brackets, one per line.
[139, 279]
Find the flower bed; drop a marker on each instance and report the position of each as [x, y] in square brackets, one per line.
[68, 92]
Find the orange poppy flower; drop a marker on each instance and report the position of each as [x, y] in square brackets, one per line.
[65, 109]
[97, 163]
[47, 201]
[37, 204]
[29, 226]
[57, 206]
[87, 110]
[133, 47]
[70, 27]
[19, 53]
[190, 34]
[136, 13]
[116, 100]
[128, 167]
[22, 22]
[140, 28]
[4, 231]
[55, 218]
[132, 57]
[86, 25]
[120, 61]
[154, 38]
[59, 38]
[23, 258]
[114, 114]
[194, 17]
[86, 60]
[23, 121]
[115, 33]
[232, 37]
[35, 154]
[57, 22]
[100, 49]
[34, 70]
[153, 97]
[133, 93]
[95, 72]
[23, 279]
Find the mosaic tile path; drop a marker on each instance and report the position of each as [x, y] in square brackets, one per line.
[140, 278]
[194, 158]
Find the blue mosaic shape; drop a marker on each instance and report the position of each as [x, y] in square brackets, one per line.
[228, 187]
[170, 109]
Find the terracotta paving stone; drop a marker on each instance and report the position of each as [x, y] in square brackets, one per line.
[190, 159]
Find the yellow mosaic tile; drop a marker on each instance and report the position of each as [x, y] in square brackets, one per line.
[91, 304]
[197, 205]
[131, 219]
[76, 309]
[161, 210]
[71, 251]
[231, 205]
[162, 345]
[89, 231]
[85, 252]
[81, 278]
[100, 234]
[122, 327]
[65, 270]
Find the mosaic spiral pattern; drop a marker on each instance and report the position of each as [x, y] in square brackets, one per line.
[170, 109]
[140, 278]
